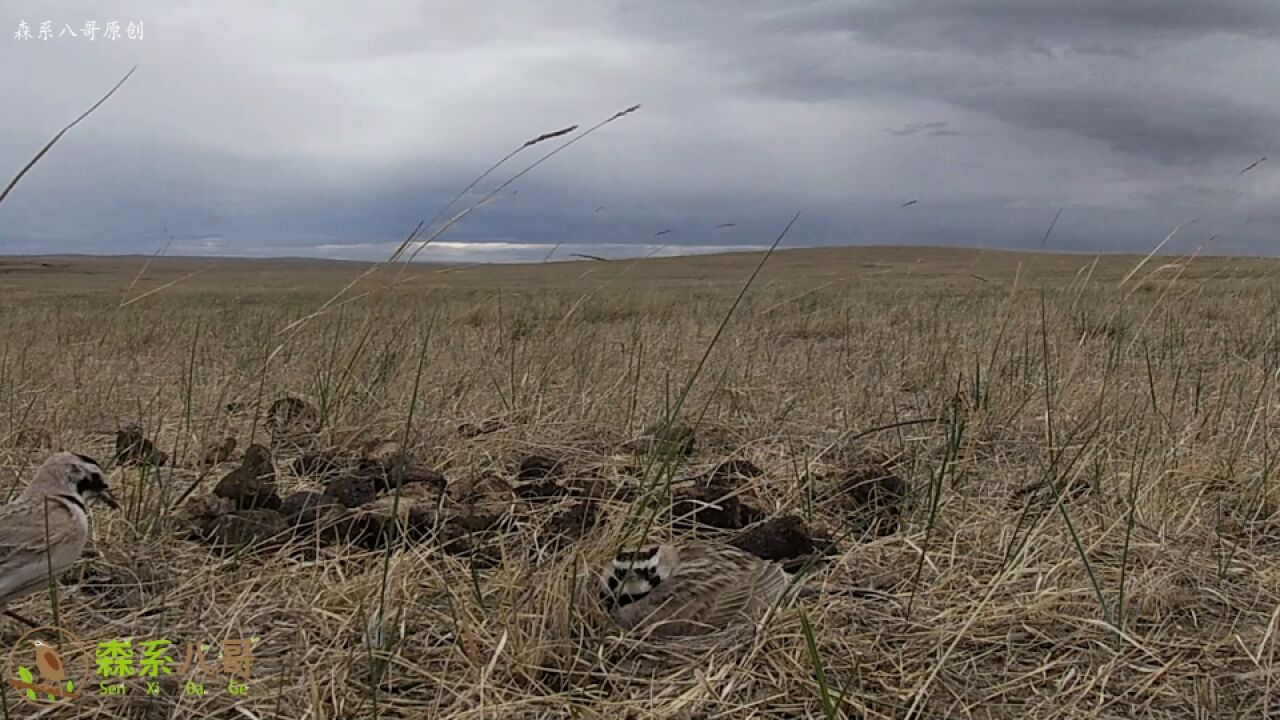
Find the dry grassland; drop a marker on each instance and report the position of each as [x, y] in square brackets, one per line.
[1091, 527]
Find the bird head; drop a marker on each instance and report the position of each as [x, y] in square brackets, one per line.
[68, 473]
[632, 574]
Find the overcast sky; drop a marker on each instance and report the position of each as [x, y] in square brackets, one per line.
[331, 128]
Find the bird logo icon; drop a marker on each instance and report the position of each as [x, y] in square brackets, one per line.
[48, 663]
[60, 664]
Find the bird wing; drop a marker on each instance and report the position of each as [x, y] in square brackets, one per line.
[25, 560]
[709, 590]
[744, 594]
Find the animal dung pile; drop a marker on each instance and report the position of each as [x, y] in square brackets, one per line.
[715, 499]
[134, 448]
[378, 494]
[308, 509]
[785, 539]
[251, 486]
[217, 452]
[574, 521]
[292, 414]
[540, 478]
[356, 503]
[218, 522]
[872, 497]
[247, 528]
[292, 421]
[359, 485]
[353, 490]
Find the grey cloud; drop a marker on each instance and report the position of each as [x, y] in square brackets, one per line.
[986, 26]
[935, 128]
[333, 129]
[1196, 98]
[1168, 130]
[1104, 49]
[908, 129]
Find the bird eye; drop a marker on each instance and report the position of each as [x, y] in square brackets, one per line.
[88, 480]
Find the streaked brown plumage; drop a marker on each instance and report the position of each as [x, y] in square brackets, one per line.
[692, 588]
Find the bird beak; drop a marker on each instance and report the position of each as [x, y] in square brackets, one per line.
[109, 499]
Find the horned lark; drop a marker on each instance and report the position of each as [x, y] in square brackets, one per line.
[45, 529]
[692, 588]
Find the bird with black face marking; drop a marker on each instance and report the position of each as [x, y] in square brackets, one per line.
[45, 529]
[691, 588]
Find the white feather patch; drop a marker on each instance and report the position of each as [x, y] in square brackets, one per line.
[635, 587]
[648, 563]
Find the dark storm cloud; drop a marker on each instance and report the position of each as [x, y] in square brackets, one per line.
[1166, 129]
[332, 129]
[1169, 125]
[1170, 109]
